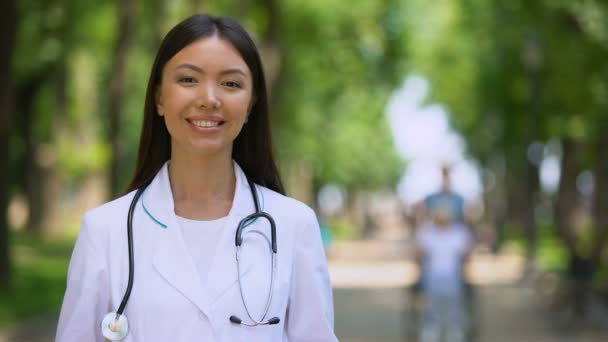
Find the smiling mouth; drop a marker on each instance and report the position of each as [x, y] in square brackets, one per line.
[206, 123]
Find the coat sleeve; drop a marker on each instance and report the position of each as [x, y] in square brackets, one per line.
[310, 315]
[87, 296]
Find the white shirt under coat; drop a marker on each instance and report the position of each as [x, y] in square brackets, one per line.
[169, 301]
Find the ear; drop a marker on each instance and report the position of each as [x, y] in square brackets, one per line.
[160, 109]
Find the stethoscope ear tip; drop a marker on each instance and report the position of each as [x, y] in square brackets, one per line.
[114, 327]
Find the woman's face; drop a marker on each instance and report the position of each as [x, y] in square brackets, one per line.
[205, 97]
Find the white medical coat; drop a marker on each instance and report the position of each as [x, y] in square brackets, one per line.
[169, 302]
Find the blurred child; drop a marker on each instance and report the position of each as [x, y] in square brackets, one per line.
[443, 247]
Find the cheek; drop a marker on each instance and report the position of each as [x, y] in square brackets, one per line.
[171, 122]
[240, 106]
[176, 99]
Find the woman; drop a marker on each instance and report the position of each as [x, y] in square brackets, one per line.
[205, 136]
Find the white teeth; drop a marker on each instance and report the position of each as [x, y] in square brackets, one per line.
[206, 124]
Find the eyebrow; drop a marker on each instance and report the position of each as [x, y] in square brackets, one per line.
[189, 66]
[234, 71]
[199, 70]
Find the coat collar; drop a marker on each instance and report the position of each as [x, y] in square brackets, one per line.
[157, 200]
[171, 257]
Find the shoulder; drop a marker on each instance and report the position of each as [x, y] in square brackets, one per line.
[98, 222]
[429, 198]
[111, 209]
[274, 200]
[281, 204]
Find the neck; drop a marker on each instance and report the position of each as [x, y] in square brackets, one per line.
[202, 187]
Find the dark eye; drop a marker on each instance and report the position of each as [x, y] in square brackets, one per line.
[232, 84]
[187, 80]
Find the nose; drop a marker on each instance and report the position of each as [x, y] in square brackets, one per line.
[208, 97]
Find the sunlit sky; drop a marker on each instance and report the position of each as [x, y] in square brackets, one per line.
[424, 139]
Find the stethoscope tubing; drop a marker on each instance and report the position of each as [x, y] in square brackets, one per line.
[238, 238]
[269, 295]
[238, 241]
[127, 294]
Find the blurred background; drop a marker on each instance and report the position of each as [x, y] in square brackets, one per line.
[370, 100]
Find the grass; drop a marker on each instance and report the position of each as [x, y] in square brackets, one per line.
[39, 278]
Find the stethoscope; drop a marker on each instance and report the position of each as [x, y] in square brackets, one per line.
[115, 325]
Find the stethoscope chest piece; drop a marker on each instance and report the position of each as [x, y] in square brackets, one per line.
[114, 328]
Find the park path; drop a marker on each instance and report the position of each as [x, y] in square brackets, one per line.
[372, 301]
[370, 280]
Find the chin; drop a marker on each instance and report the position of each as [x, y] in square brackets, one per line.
[209, 150]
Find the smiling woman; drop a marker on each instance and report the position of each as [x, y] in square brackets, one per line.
[206, 188]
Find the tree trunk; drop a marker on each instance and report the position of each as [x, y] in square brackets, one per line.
[33, 174]
[42, 181]
[531, 201]
[580, 268]
[565, 204]
[8, 28]
[600, 205]
[532, 63]
[515, 191]
[51, 181]
[272, 52]
[118, 83]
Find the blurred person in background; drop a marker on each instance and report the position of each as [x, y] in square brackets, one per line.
[443, 246]
[205, 156]
[446, 198]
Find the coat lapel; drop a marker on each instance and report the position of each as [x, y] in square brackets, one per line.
[171, 258]
[173, 262]
[223, 270]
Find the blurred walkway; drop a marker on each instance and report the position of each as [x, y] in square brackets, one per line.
[371, 299]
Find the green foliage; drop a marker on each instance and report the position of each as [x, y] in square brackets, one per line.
[339, 72]
[552, 253]
[600, 280]
[78, 162]
[340, 61]
[39, 279]
[485, 59]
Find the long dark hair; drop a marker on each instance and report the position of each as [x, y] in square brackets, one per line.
[252, 149]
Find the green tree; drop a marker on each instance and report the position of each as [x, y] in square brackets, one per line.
[341, 64]
[513, 73]
[8, 29]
